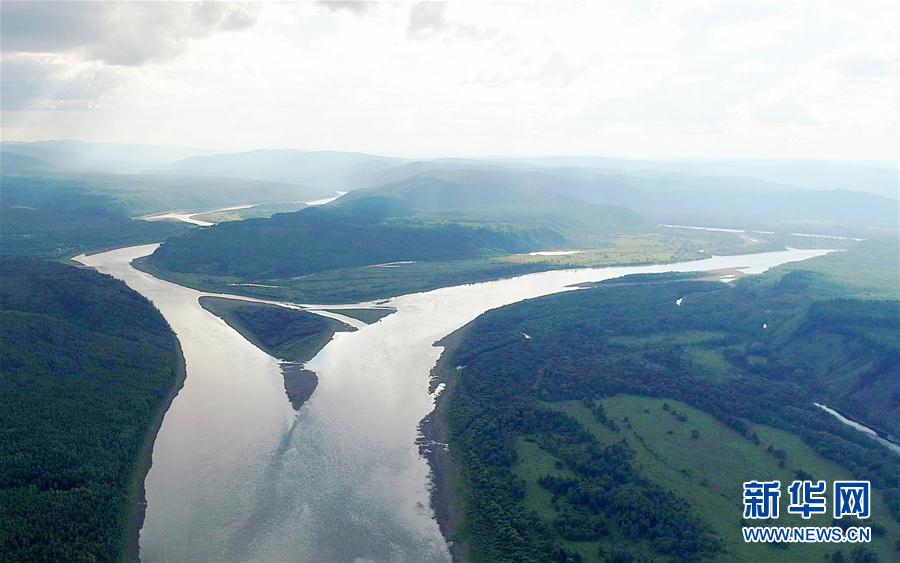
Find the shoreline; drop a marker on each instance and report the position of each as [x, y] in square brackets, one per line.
[141, 264]
[137, 498]
[446, 480]
[299, 382]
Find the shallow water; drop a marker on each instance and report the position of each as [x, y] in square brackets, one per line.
[238, 475]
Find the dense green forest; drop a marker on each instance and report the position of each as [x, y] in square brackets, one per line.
[87, 367]
[421, 219]
[556, 463]
[288, 334]
[54, 212]
[49, 218]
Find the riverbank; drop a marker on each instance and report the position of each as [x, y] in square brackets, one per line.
[447, 495]
[137, 498]
[878, 434]
[291, 335]
[345, 461]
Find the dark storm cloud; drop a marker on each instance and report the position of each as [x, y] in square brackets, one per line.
[116, 33]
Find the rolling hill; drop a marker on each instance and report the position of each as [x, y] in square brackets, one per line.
[623, 426]
[88, 367]
[743, 202]
[326, 170]
[433, 216]
[109, 157]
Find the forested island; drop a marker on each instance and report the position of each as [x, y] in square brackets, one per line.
[87, 369]
[617, 423]
[287, 334]
[610, 423]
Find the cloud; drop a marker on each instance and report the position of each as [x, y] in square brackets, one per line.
[754, 67]
[127, 34]
[554, 72]
[625, 78]
[866, 67]
[429, 19]
[38, 83]
[352, 6]
[748, 35]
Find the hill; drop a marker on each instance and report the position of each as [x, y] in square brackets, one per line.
[719, 201]
[879, 178]
[624, 424]
[440, 216]
[55, 218]
[326, 170]
[87, 368]
[109, 157]
[683, 198]
[18, 163]
[52, 212]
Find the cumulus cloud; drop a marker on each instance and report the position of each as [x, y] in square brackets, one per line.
[116, 33]
[352, 6]
[527, 77]
[429, 19]
[555, 72]
[38, 83]
[66, 55]
[866, 67]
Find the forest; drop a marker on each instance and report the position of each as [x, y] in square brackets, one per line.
[87, 368]
[51, 218]
[425, 218]
[287, 334]
[752, 356]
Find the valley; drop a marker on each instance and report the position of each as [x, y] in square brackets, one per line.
[368, 281]
[309, 332]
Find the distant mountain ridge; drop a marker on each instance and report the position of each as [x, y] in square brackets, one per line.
[110, 157]
[430, 217]
[667, 198]
[332, 170]
[715, 192]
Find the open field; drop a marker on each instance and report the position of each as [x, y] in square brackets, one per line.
[709, 470]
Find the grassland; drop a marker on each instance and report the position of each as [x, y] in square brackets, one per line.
[708, 471]
[870, 270]
[579, 442]
[349, 285]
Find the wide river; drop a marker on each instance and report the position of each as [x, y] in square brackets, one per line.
[237, 474]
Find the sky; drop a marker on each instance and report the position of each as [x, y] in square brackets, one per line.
[630, 79]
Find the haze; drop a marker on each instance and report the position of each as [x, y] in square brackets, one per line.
[799, 80]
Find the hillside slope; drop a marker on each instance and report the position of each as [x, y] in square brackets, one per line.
[86, 366]
[327, 170]
[555, 459]
[426, 218]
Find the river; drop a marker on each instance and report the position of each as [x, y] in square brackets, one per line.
[864, 429]
[238, 475]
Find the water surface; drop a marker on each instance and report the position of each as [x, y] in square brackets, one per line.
[238, 475]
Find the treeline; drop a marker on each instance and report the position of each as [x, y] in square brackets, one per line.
[782, 349]
[287, 334]
[51, 218]
[439, 216]
[317, 239]
[85, 366]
